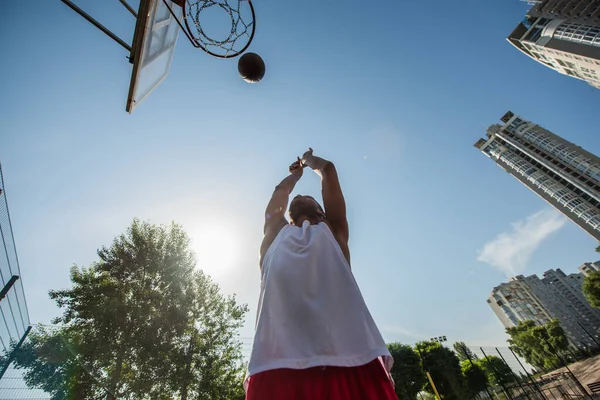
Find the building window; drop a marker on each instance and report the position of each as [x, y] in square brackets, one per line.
[574, 203]
[578, 33]
[562, 152]
[567, 198]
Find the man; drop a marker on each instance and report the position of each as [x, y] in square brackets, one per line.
[315, 338]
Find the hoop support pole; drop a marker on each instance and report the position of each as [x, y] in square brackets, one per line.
[128, 7]
[97, 25]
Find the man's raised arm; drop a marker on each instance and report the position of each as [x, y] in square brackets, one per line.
[333, 198]
[275, 211]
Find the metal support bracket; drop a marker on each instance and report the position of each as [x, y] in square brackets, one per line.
[99, 25]
[8, 285]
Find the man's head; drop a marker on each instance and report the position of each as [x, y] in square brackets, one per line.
[305, 208]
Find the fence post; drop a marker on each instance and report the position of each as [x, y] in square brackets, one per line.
[496, 373]
[553, 350]
[513, 373]
[589, 334]
[529, 376]
[471, 362]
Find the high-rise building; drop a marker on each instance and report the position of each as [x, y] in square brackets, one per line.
[563, 35]
[587, 268]
[563, 174]
[580, 11]
[556, 295]
[514, 302]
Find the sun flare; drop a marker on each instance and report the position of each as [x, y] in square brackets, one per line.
[216, 247]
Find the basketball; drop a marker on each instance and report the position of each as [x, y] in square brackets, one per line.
[251, 67]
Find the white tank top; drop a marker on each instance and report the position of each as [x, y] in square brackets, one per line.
[310, 311]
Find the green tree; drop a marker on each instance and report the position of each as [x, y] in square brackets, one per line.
[407, 373]
[140, 323]
[444, 368]
[539, 345]
[52, 365]
[210, 363]
[591, 288]
[463, 352]
[476, 379]
[497, 371]
[555, 337]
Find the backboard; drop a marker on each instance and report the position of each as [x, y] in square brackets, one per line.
[157, 27]
[154, 41]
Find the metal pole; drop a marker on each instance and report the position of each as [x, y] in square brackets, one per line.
[433, 386]
[513, 373]
[496, 373]
[583, 390]
[591, 337]
[13, 353]
[471, 362]
[530, 377]
[575, 356]
[97, 24]
[8, 285]
[129, 8]
[427, 373]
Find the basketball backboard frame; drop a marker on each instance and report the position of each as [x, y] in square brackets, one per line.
[153, 46]
[151, 52]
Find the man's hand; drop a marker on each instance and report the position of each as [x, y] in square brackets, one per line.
[297, 168]
[308, 158]
[314, 162]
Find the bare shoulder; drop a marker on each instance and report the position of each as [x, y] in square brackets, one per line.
[270, 234]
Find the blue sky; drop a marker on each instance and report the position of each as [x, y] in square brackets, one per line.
[395, 93]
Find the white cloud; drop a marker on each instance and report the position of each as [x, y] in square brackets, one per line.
[510, 251]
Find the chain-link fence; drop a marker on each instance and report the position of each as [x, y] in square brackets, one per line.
[13, 387]
[463, 372]
[14, 314]
[511, 378]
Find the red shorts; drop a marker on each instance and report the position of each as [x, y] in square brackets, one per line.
[366, 382]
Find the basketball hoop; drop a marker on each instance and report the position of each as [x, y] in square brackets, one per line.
[236, 38]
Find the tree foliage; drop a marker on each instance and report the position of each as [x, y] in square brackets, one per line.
[497, 371]
[539, 345]
[52, 365]
[591, 288]
[140, 323]
[444, 368]
[476, 378]
[463, 352]
[407, 373]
